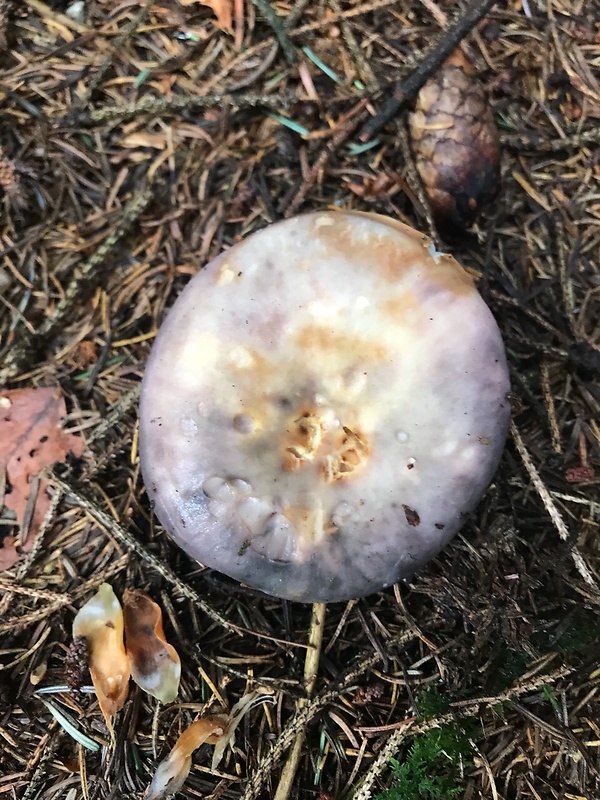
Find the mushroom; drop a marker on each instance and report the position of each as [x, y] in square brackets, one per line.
[323, 406]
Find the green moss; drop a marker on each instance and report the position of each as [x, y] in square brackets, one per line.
[431, 769]
[547, 694]
[583, 631]
[514, 664]
[432, 703]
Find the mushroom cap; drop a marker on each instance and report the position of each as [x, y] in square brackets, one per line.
[323, 405]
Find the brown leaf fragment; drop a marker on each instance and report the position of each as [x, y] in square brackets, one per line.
[411, 515]
[215, 729]
[32, 438]
[155, 665]
[222, 9]
[172, 772]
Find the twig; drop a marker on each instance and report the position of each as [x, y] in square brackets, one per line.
[409, 87]
[414, 728]
[311, 666]
[118, 43]
[18, 356]
[271, 17]
[304, 715]
[353, 120]
[116, 413]
[550, 407]
[131, 543]
[46, 12]
[550, 506]
[173, 105]
[130, 214]
[532, 140]
[25, 564]
[112, 527]
[53, 739]
[62, 600]
[295, 13]
[362, 62]
[416, 184]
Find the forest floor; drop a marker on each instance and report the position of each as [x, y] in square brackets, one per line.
[138, 140]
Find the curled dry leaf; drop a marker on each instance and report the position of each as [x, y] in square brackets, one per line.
[32, 439]
[215, 729]
[155, 665]
[100, 622]
[172, 772]
[456, 144]
[223, 10]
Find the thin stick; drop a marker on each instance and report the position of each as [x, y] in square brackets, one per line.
[346, 129]
[551, 506]
[435, 57]
[469, 709]
[19, 355]
[117, 45]
[463, 708]
[130, 542]
[415, 182]
[311, 666]
[173, 105]
[533, 141]
[271, 17]
[46, 12]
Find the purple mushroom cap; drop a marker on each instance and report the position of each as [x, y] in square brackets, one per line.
[323, 405]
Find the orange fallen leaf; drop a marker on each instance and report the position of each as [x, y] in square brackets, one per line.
[215, 729]
[172, 772]
[155, 665]
[100, 622]
[223, 10]
[32, 438]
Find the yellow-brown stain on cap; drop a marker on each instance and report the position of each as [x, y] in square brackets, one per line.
[391, 252]
[313, 339]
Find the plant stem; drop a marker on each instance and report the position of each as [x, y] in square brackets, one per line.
[311, 666]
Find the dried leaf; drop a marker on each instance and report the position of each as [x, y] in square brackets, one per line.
[223, 10]
[237, 713]
[32, 438]
[141, 139]
[155, 665]
[216, 729]
[100, 621]
[172, 772]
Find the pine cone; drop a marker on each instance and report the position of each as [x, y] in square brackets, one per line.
[456, 144]
[76, 663]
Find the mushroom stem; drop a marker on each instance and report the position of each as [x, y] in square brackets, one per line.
[311, 667]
